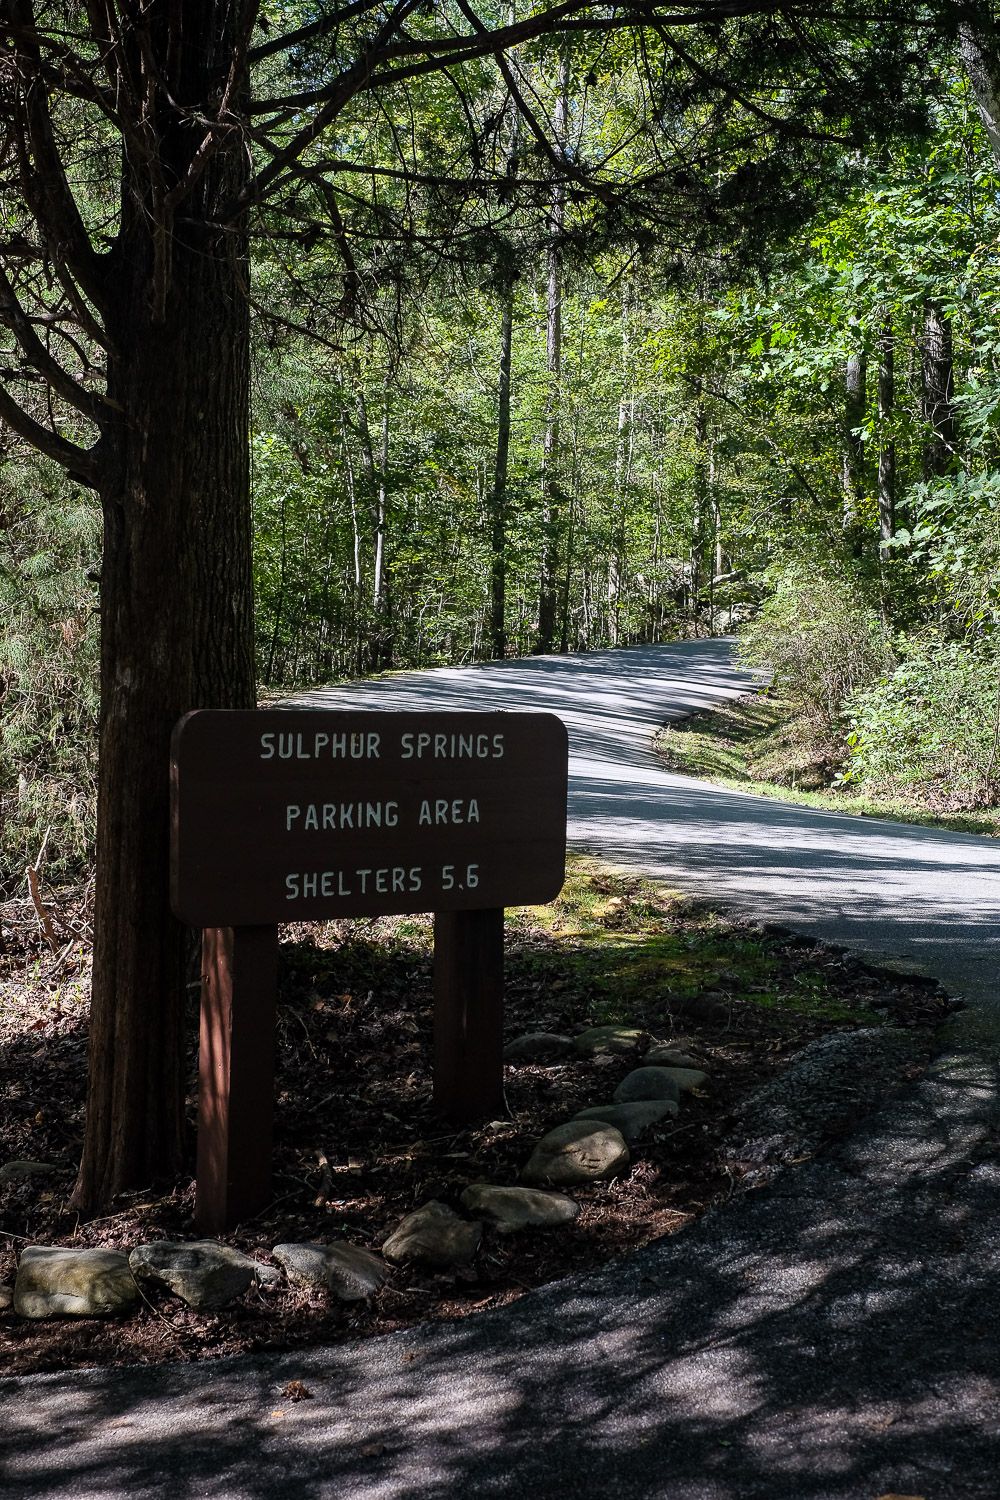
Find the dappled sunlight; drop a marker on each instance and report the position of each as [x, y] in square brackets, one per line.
[777, 1349]
[903, 890]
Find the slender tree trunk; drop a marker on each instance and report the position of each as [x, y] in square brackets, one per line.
[379, 596]
[176, 611]
[699, 510]
[551, 491]
[497, 505]
[623, 466]
[887, 445]
[937, 373]
[855, 399]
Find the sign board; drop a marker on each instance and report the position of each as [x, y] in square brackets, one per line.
[301, 814]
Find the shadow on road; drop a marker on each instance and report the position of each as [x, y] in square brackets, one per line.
[795, 1345]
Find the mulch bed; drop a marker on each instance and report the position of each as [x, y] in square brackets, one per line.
[358, 1144]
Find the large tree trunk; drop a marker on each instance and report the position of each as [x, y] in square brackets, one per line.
[176, 609]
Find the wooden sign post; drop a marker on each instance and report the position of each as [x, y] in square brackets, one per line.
[293, 815]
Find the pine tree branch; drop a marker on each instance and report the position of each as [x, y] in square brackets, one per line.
[82, 463]
[13, 316]
[44, 183]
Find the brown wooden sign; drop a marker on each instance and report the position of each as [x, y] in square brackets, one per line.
[284, 816]
[292, 815]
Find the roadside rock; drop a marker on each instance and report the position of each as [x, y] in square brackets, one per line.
[618, 1039]
[632, 1120]
[538, 1046]
[687, 1079]
[665, 1055]
[577, 1152]
[512, 1208]
[434, 1234]
[647, 1083]
[53, 1282]
[348, 1271]
[14, 1171]
[6, 1299]
[203, 1273]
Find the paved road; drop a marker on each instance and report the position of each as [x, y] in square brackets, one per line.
[833, 1337]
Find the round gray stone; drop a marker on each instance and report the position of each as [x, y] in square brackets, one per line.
[434, 1234]
[577, 1152]
[21, 1171]
[647, 1083]
[203, 1273]
[633, 1120]
[512, 1208]
[614, 1039]
[6, 1298]
[348, 1271]
[539, 1047]
[665, 1055]
[687, 1079]
[53, 1282]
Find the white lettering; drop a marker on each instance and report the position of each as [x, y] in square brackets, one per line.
[267, 747]
[291, 813]
[406, 747]
[292, 887]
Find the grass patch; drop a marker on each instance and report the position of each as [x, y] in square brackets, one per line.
[757, 744]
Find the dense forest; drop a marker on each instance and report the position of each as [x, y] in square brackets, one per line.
[487, 332]
[525, 443]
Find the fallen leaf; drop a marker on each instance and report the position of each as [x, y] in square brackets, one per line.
[296, 1391]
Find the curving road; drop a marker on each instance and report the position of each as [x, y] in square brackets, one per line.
[894, 889]
[833, 1337]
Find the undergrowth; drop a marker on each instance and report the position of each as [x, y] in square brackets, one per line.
[759, 743]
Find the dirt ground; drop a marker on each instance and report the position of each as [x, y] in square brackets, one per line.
[357, 1142]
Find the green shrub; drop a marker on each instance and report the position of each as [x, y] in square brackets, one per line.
[822, 640]
[49, 539]
[932, 726]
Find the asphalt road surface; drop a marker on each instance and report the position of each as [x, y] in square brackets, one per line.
[835, 1336]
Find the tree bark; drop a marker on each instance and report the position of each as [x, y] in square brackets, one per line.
[982, 66]
[551, 491]
[498, 493]
[855, 396]
[887, 445]
[176, 601]
[937, 372]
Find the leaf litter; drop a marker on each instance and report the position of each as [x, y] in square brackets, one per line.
[357, 1142]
